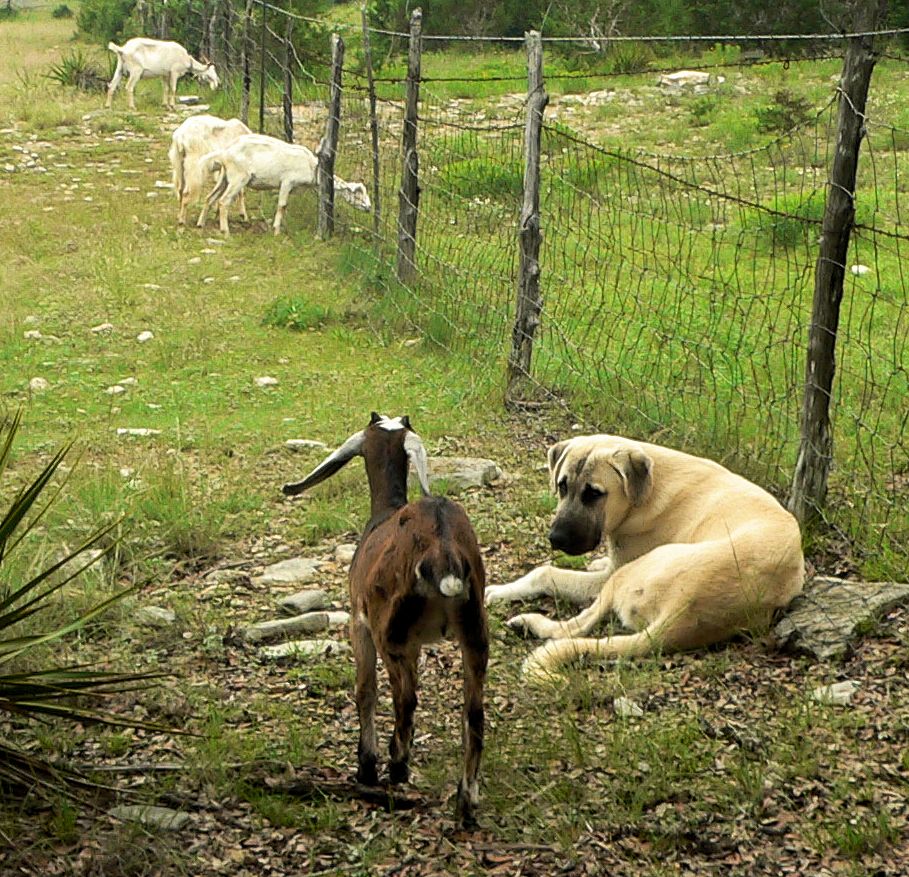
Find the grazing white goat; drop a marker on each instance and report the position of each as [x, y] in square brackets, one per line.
[144, 58]
[417, 576]
[264, 162]
[192, 140]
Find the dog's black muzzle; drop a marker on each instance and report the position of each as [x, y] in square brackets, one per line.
[574, 534]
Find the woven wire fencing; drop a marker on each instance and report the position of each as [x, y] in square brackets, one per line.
[677, 289]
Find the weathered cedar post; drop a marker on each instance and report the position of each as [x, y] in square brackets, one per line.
[409, 194]
[263, 35]
[529, 300]
[809, 483]
[328, 148]
[287, 99]
[246, 50]
[373, 125]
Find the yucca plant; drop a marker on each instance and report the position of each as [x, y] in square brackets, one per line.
[74, 692]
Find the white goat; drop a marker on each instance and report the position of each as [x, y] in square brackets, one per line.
[264, 162]
[145, 58]
[192, 140]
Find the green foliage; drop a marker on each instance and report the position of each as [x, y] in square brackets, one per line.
[703, 109]
[787, 111]
[791, 219]
[77, 71]
[296, 313]
[62, 11]
[105, 19]
[25, 628]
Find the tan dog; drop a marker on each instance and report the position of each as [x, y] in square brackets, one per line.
[696, 553]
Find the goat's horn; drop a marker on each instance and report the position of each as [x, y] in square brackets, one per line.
[331, 464]
[416, 453]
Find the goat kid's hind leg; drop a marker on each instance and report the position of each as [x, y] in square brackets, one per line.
[283, 196]
[475, 657]
[402, 671]
[234, 188]
[134, 78]
[365, 694]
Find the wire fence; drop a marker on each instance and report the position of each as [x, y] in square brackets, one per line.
[676, 289]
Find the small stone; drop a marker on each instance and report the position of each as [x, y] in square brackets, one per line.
[30, 320]
[305, 445]
[161, 184]
[860, 270]
[626, 708]
[115, 390]
[127, 472]
[195, 260]
[345, 552]
[137, 431]
[128, 382]
[266, 381]
[142, 337]
[102, 328]
[38, 385]
[463, 472]
[837, 694]
[32, 335]
[150, 286]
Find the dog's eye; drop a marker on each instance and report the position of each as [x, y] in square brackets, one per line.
[563, 487]
[591, 493]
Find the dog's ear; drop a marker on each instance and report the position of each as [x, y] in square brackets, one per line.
[553, 457]
[636, 469]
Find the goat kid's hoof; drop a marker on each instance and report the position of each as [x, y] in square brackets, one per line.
[367, 775]
[398, 772]
[530, 624]
[466, 808]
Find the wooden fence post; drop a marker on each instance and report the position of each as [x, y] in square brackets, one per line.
[809, 483]
[328, 148]
[373, 125]
[263, 36]
[409, 194]
[287, 96]
[245, 50]
[529, 300]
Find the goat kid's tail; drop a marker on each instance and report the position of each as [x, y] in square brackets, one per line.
[442, 576]
[113, 47]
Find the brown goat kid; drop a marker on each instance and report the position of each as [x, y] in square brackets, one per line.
[417, 576]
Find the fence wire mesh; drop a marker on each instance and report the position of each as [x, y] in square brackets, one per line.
[677, 289]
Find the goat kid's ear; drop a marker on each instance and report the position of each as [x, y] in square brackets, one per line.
[332, 463]
[416, 453]
[406, 421]
[374, 418]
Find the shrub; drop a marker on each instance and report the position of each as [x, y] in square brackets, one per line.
[295, 313]
[77, 71]
[62, 11]
[105, 19]
[787, 111]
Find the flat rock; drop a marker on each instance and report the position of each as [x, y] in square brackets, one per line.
[463, 471]
[303, 601]
[297, 570]
[155, 616]
[305, 649]
[154, 817]
[627, 708]
[837, 694]
[285, 628]
[830, 613]
[305, 445]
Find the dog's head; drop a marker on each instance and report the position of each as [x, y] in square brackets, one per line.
[599, 480]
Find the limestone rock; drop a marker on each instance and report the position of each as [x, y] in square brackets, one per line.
[283, 628]
[345, 552]
[627, 708]
[297, 570]
[305, 648]
[155, 616]
[831, 612]
[463, 472]
[305, 445]
[153, 817]
[303, 601]
[838, 694]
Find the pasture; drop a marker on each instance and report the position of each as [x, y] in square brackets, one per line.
[732, 767]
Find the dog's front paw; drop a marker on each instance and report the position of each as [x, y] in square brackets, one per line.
[495, 594]
[531, 624]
